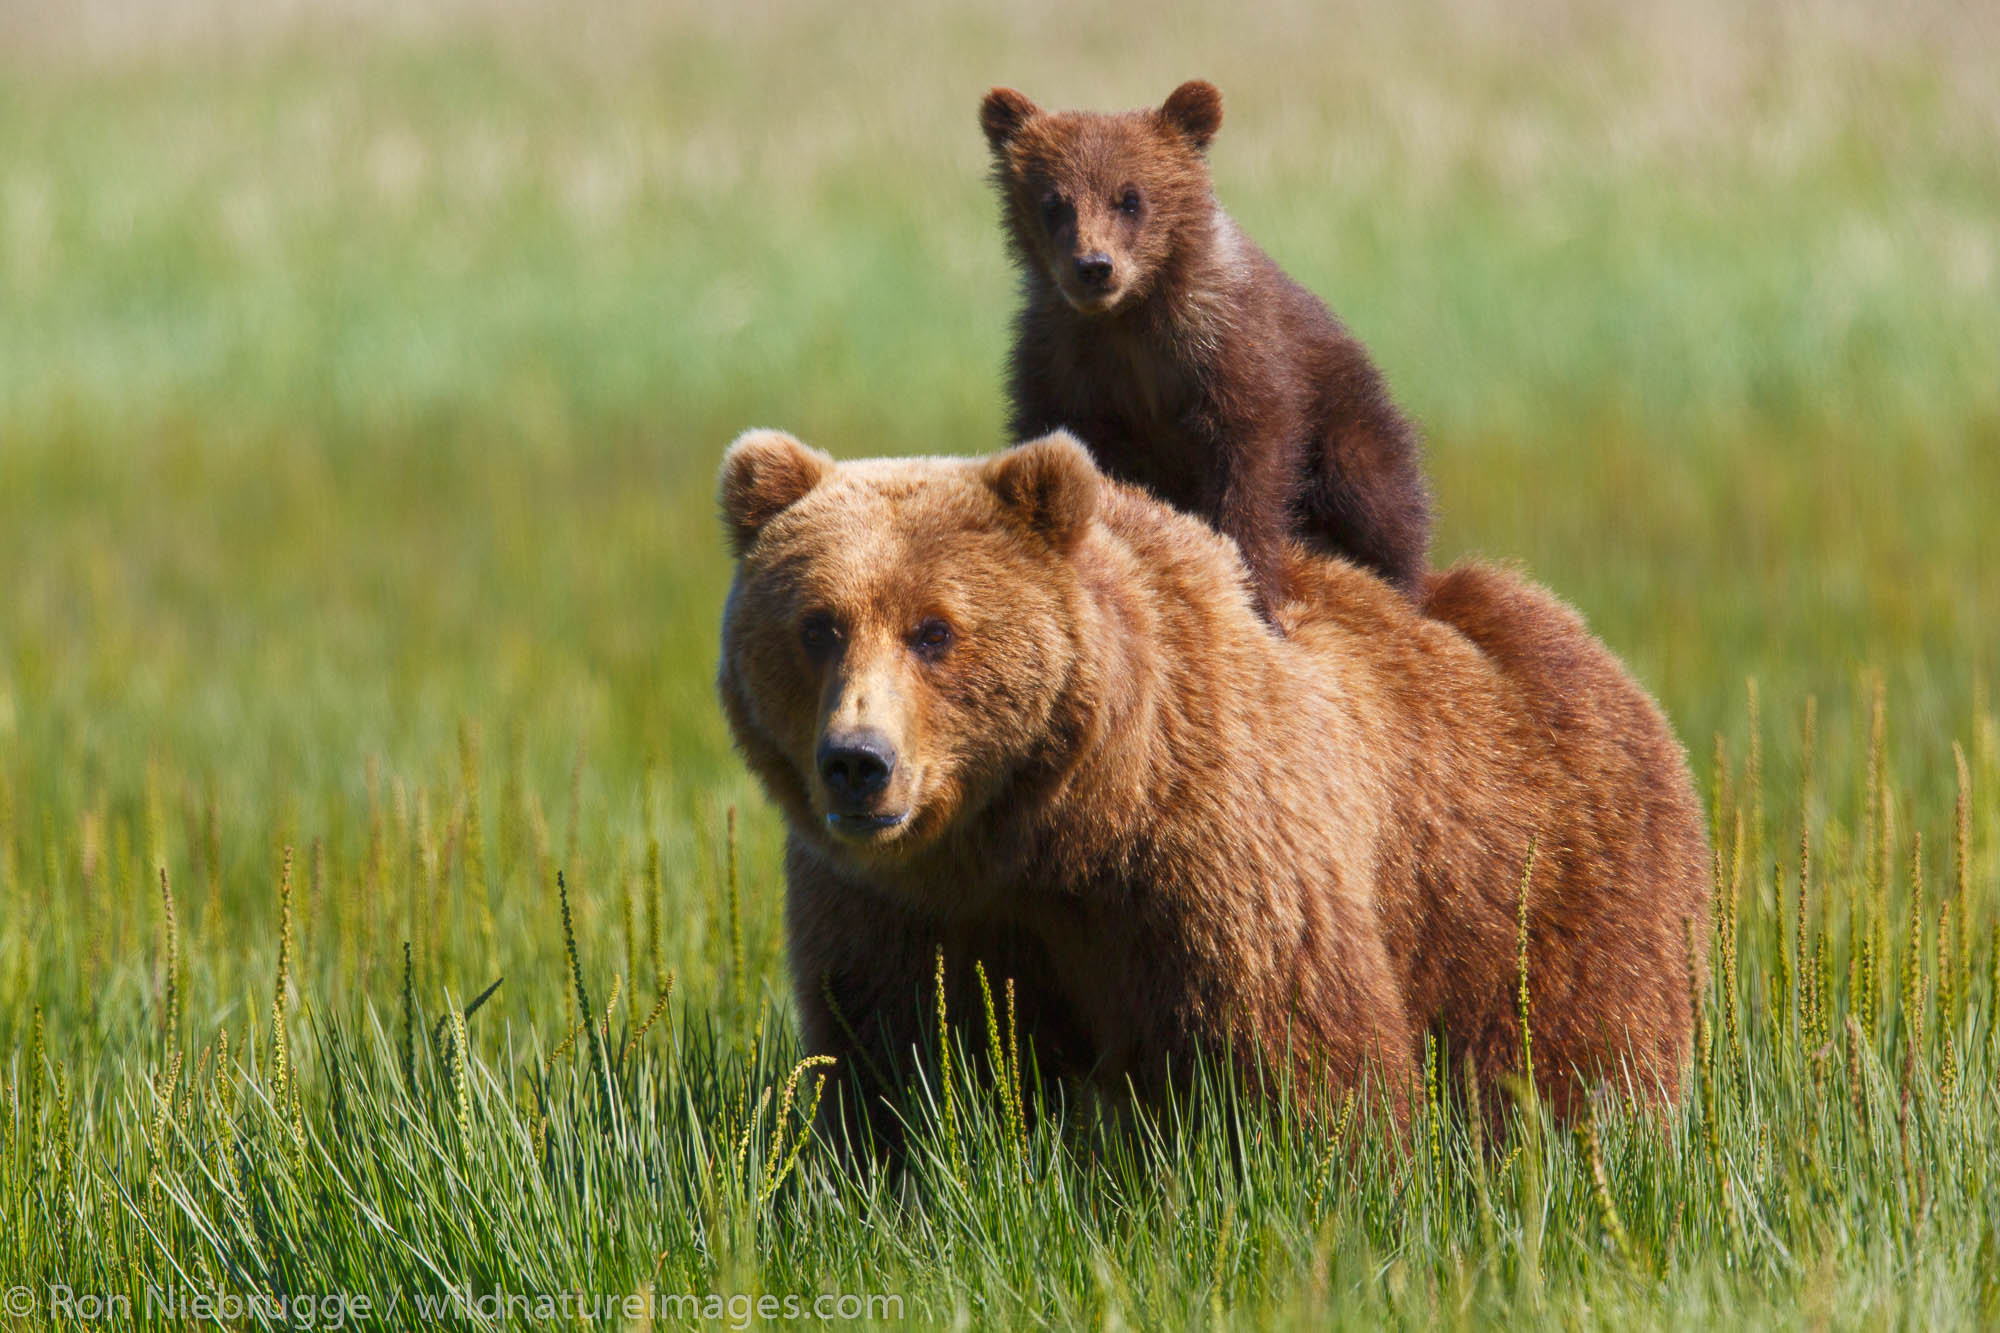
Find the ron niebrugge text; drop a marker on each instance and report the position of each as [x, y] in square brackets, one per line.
[337, 1310]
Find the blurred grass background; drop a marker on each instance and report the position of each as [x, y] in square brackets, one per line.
[1696, 306]
[363, 370]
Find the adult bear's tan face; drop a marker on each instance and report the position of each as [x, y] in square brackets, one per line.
[898, 632]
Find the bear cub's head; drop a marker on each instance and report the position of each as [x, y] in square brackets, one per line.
[899, 633]
[1100, 203]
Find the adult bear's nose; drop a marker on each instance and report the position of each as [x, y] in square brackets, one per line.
[1094, 269]
[856, 765]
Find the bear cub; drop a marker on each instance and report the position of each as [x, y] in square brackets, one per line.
[1182, 356]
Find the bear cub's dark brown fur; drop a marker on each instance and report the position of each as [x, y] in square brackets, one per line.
[1182, 356]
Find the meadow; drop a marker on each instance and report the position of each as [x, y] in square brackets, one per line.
[363, 373]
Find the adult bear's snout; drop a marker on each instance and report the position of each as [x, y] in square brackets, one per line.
[855, 765]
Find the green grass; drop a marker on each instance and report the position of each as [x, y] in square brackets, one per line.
[362, 379]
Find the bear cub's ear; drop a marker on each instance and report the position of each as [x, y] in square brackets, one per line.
[1195, 110]
[1002, 115]
[764, 473]
[1050, 485]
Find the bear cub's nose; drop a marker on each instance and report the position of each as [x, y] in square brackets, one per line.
[1094, 269]
[856, 765]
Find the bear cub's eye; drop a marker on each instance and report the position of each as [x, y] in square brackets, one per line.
[1053, 210]
[818, 632]
[932, 638]
[1128, 203]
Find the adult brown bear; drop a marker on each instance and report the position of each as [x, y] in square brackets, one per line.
[1027, 715]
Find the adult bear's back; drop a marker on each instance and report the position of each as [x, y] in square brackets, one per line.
[1631, 873]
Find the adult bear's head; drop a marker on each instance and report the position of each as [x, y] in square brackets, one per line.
[900, 633]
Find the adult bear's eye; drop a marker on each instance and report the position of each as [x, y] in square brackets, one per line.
[1128, 203]
[932, 639]
[818, 632]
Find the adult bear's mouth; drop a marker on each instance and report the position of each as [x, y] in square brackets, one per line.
[864, 826]
[867, 794]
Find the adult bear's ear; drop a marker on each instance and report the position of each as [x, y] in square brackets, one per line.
[764, 473]
[1049, 485]
[1194, 110]
[1002, 115]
